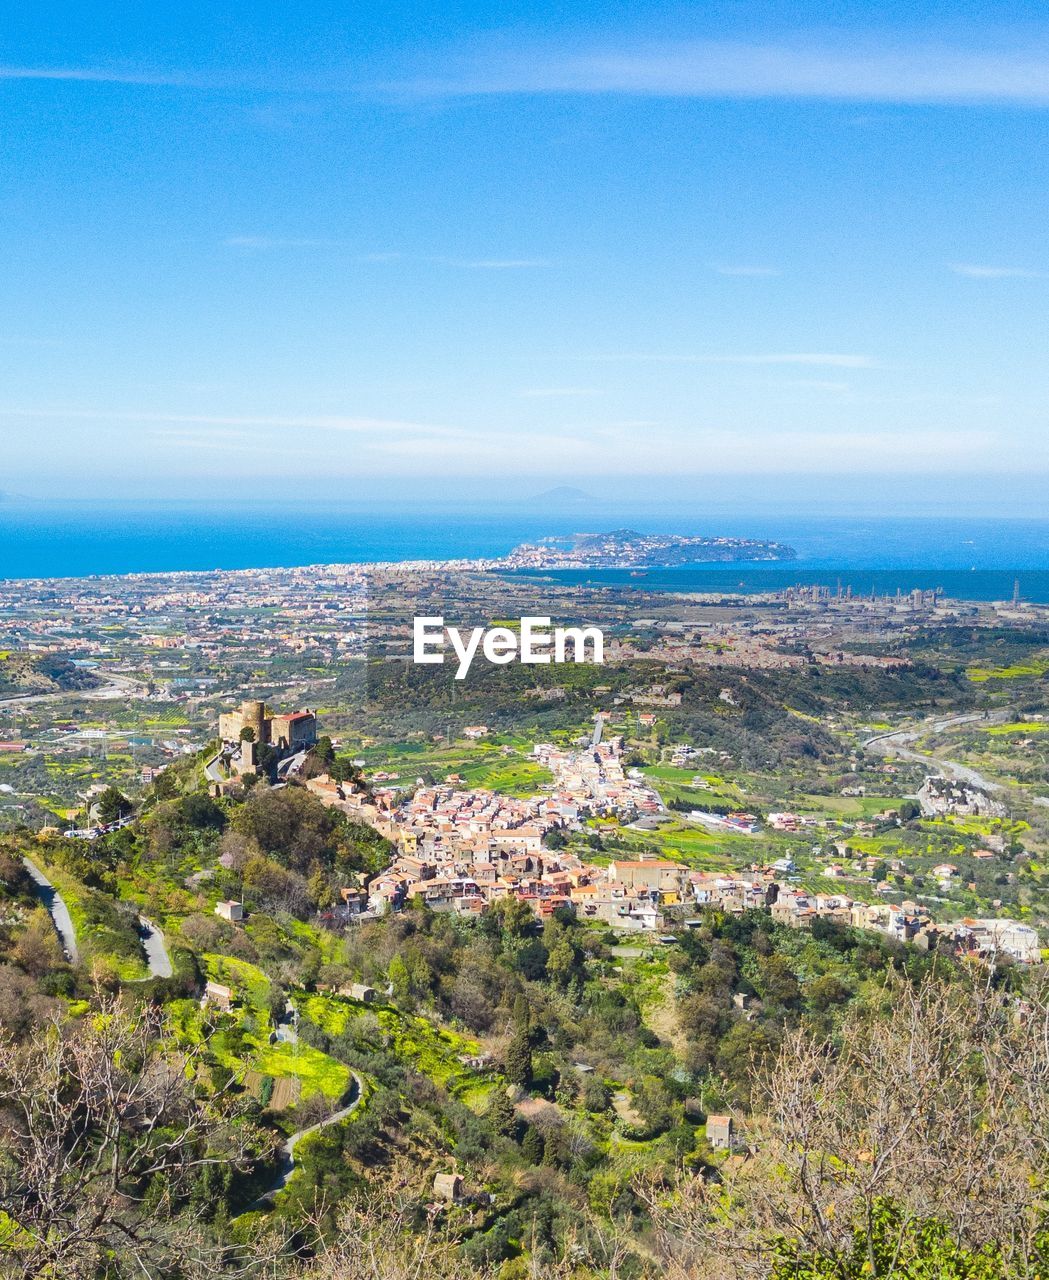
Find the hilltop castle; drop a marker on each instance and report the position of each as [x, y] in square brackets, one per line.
[289, 733]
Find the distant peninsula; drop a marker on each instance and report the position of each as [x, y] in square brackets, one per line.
[628, 549]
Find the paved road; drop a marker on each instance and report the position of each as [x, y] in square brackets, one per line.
[291, 765]
[890, 744]
[156, 951]
[928, 726]
[118, 687]
[53, 901]
[287, 1167]
[599, 726]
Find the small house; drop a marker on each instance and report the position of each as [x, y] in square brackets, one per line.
[219, 995]
[232, 911]
[719, 1132]
[448, 1187]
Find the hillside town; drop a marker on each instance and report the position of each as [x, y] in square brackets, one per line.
[461, 850]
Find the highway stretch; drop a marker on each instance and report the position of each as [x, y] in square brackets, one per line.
[890, 743]
[118, 687]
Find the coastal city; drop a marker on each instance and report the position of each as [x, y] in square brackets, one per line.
[524, 642]
[125, 677]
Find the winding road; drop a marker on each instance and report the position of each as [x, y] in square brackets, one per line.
[152, 938]
[287, 1166]
[156, 950]
[59, 912]
[212, 771]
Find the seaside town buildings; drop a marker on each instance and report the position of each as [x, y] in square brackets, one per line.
[179, 649]
[461, 850]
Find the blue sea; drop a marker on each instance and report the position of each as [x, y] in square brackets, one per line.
[974, 558]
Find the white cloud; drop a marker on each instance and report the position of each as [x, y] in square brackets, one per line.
[281, 242]
[335, 422]
[492, 264]
[866, 70]
[97, 75]
[344, 446]
[976, 272]
[612, 449]
[819, 384]
[269, 243]
[876, 69]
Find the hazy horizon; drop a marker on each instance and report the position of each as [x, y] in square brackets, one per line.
[846, 496]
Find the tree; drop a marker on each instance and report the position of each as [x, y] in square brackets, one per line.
[38, 950]
[825, 991]
[399, 980]
[342, 769]
[379, 1239]
[532, 1145]
[112, 805]
[199, 811]
[518, 1062]
[563, 959]
[921, 1128]
[779, 983]
[318, 886]
[501, 1114]
[511, 918]
[101, 1140]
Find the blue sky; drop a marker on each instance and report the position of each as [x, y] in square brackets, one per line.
[634, 247]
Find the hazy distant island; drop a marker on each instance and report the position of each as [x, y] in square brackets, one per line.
[563, 495]
[628, 549]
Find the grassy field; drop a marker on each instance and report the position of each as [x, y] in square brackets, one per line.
[316, 1071]
[240, 1041]
[431, 1051]
[481, 764]
[1018, 726]
[684, 842]
[1031, 669]
[248, 982]
[847, 806]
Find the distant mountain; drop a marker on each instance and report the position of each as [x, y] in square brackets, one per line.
[564, 493]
